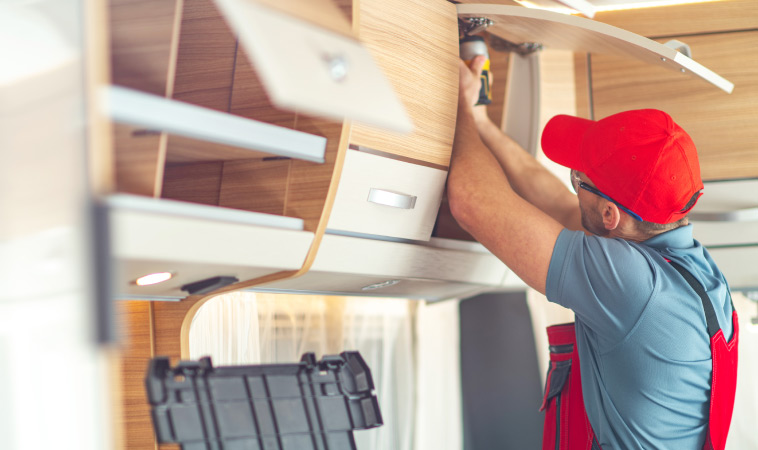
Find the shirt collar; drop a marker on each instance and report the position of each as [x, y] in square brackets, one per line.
[680, 238]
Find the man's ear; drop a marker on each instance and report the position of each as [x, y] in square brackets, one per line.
[611, 216]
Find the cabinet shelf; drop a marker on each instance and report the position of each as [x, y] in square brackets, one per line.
[135, 108]
[196, 242]
[438, 270]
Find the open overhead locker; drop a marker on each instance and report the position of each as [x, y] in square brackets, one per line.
[525, 31]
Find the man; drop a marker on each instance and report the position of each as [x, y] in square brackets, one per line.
[610, 253]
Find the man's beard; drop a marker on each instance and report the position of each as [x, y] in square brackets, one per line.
[593, 222]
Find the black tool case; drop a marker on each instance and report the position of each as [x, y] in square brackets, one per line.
[309, 405]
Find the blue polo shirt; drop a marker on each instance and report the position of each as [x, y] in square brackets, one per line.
[641, 334]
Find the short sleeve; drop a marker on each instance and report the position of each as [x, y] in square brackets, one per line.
[606, 282]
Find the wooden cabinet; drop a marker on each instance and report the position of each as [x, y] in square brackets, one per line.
[416, 44]
[193, 56]
[201, 53]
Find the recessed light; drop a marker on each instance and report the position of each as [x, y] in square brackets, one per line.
[153, 278]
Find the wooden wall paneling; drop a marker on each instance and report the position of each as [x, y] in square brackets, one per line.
[723, 126]
[582, 85]
[415, 44]
[255, 185]
[249, 98]
[138, 160]
[205, 61]
[557, 96]
[144, 44]
[204, 74]
[141, 43]
[557, 84]
[135, 320]
[187, 150]
[197, 183]
[678, 20]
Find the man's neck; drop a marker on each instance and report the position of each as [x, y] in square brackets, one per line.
[630, 231]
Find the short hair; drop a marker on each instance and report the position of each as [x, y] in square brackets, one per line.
[653, 228]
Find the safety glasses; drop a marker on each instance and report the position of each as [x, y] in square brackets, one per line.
[577, 183]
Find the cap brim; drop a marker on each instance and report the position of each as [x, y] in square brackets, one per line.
[562, 140]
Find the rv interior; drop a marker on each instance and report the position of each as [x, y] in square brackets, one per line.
[254, 180]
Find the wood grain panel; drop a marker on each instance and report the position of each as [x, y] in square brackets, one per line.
[144, 41]
[204, 75]
[582, 87]
[415, 43]
[137, 348]
[205, 61]
[186, 150]
[197, 183]
[255, 185]
[557, 94]
[677, 20]
[312, 187]
[168, 318]
[141, 43]
[138, 160]
[249, 98]
[723, 126]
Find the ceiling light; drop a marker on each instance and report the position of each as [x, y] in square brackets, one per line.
[153, 278]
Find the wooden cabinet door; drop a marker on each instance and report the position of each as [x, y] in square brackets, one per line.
[723, 126]
[415, 43]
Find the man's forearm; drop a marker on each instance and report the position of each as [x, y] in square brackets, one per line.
[528, 177]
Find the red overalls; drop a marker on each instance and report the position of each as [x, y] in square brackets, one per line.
[566, 424]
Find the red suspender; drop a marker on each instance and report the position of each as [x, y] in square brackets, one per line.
[724, 379]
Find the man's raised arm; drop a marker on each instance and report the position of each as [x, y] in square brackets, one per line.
[527, 176]
[485, 205]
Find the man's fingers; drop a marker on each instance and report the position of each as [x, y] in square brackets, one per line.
[477, 64]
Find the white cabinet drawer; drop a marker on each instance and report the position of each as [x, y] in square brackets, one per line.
[386, 197]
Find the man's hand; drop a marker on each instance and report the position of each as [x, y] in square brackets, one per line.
[469, 86]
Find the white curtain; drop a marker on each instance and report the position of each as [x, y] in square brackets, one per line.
[439, 420]
[252, 328]
[226, 329]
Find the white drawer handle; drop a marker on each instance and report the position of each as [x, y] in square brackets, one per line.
[393, 199]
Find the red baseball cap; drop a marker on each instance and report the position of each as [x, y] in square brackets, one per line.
[642, 159]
